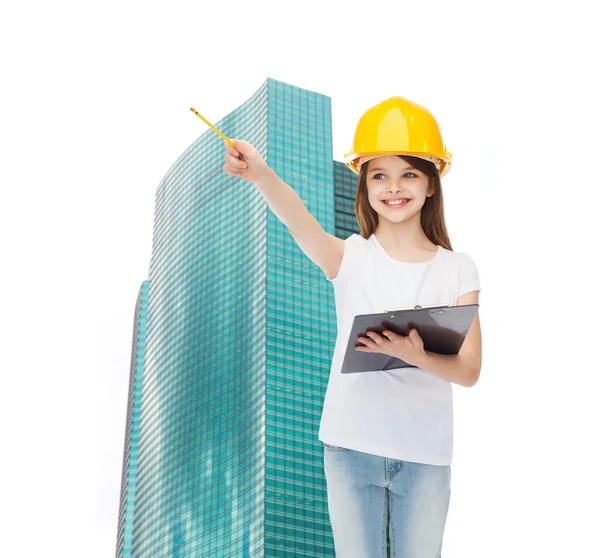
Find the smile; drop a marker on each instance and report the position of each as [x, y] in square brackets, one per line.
[395, 203]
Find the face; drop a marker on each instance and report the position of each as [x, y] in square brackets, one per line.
[390, 178]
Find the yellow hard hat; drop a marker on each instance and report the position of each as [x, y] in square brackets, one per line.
[398, 126]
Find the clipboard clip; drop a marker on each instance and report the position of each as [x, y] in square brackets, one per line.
[417, 307]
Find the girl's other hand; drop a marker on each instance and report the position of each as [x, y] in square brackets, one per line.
[250, 166]
[410, 349]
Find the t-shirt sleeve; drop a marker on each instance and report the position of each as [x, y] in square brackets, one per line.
[468, 278]
[345, 268]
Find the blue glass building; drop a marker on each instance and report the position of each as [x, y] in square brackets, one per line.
[240, 334]
[132, 432]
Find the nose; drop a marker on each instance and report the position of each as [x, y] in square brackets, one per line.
[396, 186]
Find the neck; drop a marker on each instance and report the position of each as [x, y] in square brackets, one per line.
[405, 236]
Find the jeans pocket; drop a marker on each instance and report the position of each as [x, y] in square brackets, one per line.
[333, 448]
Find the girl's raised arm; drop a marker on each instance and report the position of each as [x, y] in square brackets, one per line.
[323, 249]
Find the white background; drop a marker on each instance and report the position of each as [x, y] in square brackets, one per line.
[95, 109]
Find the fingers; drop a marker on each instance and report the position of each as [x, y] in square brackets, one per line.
[391, 335]
[377, 339]
[235, 163]
[372, 341]
[373, 337]
[227, 169]
[231, 150]
[249, 164]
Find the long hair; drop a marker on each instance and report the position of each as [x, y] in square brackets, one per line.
[432, 212]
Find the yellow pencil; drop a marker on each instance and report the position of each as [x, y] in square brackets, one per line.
[230, 142]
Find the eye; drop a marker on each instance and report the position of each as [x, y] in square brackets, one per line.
[406, 175]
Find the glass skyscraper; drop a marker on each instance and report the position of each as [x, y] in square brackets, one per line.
[222, 457]
[132, 432]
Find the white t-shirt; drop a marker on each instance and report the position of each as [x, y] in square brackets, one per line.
[401, 413]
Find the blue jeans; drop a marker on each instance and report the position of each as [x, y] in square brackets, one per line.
[366, 491]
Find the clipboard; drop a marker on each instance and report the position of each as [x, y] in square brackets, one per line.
[443, 329]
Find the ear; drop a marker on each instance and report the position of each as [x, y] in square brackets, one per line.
[430, 190]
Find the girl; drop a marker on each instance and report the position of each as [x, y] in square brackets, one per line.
[387, 435]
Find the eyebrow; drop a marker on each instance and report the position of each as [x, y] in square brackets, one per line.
[385, 170]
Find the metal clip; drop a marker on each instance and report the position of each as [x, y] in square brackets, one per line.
[399, 309]
[417, 307]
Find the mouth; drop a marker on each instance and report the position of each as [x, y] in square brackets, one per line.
[396, 203]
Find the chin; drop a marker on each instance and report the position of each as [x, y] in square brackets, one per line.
[396, 217]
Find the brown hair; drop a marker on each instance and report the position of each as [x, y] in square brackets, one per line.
[432, 212]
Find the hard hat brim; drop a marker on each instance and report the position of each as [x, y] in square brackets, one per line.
[351, 159]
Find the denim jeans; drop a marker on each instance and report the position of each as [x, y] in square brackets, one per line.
[366, 491]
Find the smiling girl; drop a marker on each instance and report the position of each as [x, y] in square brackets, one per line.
[387, 434]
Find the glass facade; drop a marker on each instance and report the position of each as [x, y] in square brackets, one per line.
[132, 432]
[240, 334]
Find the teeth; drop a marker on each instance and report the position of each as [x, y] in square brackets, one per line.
[398, 202]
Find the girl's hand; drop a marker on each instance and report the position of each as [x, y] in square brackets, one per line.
[410, 349]
[251, 166]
